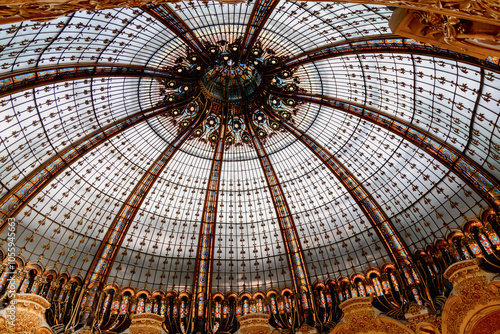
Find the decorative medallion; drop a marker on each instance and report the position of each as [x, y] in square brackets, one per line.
[231, 91]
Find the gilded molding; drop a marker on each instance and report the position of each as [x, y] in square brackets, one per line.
[39, 10]
[361, 317]
[473, 292]
[255, 323]
[29, 318]
[477, 39]
[146, 323]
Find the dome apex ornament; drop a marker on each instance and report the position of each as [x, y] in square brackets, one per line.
[233, 90]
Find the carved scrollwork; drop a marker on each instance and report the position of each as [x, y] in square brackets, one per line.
[472, 292]
[256, 323]
[146, 323]
[30, 311]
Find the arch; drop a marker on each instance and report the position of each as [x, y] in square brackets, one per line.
[484, 321]
[113, 287]
[171, 294]
[51, 270]
[76, 279]
[454, 234]
[63, 276]
[319, 285]
[285, 290]
[430, 249]
[343, 280]
[487, 214]
[258, 294]
[217, 295]
[130, 290]
[331, 283]
[245, 294]
[272, 292]
[144, 291]
[231, 295]
[184, 294]
[441, 244]
[354, 277]
[470, 224]
[388, 266]
[38, 267]
[420, 254]
[371, 271]
[157, 293]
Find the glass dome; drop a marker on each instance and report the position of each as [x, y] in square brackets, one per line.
[322, 147]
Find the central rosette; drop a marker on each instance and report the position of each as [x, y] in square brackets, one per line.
[230, 82]
[237, 93]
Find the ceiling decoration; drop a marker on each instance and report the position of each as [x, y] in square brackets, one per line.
[205, 149]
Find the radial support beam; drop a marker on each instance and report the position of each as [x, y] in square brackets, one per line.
[294, 252]
[206, 242]
[381, 44]
[469, 171]
[262, 9]
[30, 78]
[106, 254]
[379, 220]
[167, 16]
[16, 199]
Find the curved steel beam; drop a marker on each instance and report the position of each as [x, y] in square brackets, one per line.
[108, 250]
[17, 81]
[24, 191]
[293, 248]
[206, 241]
[468, 170]
[379, 220]
[262, 9]
[388, 43]
[167, 16]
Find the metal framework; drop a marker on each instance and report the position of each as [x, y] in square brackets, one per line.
[166, 15]
[379, 220]
[206, 242]
[294, 252]
[106, 254]
[469, 171]
[261, 11]
[27, 79]
[14, 201]
[381, 44]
